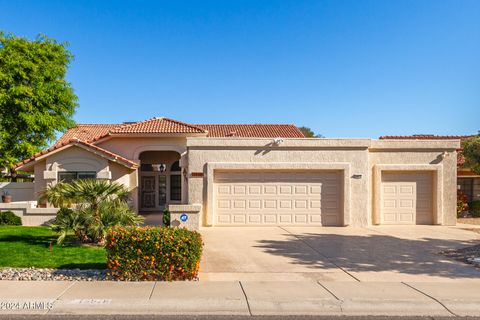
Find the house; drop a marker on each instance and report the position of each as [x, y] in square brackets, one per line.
[258, 174]
[467, 181]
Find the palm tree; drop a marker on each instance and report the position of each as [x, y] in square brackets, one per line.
[99, 203]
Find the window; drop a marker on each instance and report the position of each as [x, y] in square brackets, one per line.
[175, 187]
[67, 176]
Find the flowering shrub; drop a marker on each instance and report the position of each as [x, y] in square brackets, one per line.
[153, 253]
[462, 203]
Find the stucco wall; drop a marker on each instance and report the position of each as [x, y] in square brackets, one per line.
[289, 153]
[418, 155]
[131, 148]
[77, 159]
[362, 155]
[39, 183]
[20, 191]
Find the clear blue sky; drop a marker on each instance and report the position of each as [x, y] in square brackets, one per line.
[344, 68]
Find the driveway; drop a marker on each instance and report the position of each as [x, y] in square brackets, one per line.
[380, 253]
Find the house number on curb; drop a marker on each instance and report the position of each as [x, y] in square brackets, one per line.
[183, 217]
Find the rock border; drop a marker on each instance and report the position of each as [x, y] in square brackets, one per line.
[45, 274]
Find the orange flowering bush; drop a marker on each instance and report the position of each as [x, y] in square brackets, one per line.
[153, 253]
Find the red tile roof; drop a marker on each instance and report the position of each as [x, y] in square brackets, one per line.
[252, 130]
[86, 132]
[157, 125]
[92, 132]
[110, 155]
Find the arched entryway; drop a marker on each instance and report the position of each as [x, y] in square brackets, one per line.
[160, 180]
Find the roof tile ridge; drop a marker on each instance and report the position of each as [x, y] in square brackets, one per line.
[193, 126]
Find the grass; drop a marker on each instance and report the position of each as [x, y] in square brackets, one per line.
[22, 247]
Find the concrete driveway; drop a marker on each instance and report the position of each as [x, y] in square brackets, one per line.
[380, 253]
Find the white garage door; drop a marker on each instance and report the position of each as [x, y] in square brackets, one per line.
[278, 198]
[407, 198]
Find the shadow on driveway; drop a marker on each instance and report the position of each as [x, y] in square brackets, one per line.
[372, 253]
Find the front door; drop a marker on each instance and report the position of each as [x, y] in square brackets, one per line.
[153, 192]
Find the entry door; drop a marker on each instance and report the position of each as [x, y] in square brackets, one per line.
[153, 192]
[148, 193]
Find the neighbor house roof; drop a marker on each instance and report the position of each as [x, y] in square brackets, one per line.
[460, 157]
[85, 145]
[425, 137]
[252, 130]
[93, 132]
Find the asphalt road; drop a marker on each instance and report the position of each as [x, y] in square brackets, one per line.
[210, 317]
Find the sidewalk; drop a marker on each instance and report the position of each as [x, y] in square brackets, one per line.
[241, 298]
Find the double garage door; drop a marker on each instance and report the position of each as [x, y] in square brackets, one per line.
[407, 198]
[278, 198]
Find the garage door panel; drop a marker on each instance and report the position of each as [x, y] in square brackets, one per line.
[254, 204]
[276, 198]
[254, 218]
[301, 190]
[255, 189]
[407, 198]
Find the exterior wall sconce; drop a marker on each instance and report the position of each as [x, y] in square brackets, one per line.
[357, 176]
[160, 167]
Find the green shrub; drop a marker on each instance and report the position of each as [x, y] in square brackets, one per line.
[97, 205]
[153, 253]
[10, 218]
[166, 217]
[475, 208]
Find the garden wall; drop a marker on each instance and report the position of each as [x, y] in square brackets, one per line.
[20, 191]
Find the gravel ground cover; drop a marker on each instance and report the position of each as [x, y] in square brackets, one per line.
[43, 274]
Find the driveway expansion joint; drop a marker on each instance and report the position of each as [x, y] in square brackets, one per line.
[321, 254]
[151, 292]
[431, 297]
[61, 294]
[328, 290]
[246, 298]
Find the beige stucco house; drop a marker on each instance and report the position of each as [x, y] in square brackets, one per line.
[259, 175]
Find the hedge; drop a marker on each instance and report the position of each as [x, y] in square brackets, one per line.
[9, 218]
[153, 253]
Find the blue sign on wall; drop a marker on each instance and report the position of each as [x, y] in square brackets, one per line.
[183, 217]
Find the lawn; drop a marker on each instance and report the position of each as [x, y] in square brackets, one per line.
[22, 247]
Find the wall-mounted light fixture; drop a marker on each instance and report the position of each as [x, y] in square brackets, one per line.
[357, 176]
[277, 141]
[159, 167]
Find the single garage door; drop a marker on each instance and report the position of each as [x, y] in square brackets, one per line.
[278, 198]
[407, 198]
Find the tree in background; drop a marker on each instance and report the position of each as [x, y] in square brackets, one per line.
[307, 132]
[471, 152]
[35, 99]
